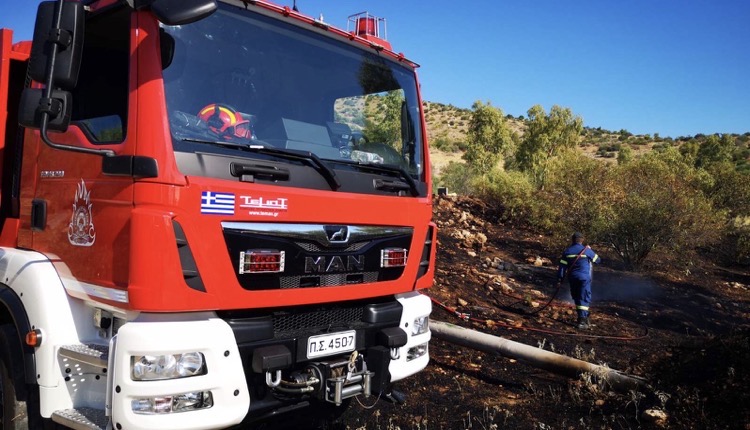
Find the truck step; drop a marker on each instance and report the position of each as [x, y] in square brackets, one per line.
[82, 418]
[92, 354]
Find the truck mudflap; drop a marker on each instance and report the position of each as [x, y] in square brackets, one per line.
[177, 371]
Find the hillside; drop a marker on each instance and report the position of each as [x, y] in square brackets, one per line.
[447, 128]
[687, 334]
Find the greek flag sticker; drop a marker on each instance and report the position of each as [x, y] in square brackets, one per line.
[217, 203]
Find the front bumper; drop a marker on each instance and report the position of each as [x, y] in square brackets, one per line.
[154, 334]
[234, 346]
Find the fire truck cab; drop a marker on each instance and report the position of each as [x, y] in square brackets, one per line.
[213, 213]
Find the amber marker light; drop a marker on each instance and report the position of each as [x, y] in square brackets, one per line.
[34, 338]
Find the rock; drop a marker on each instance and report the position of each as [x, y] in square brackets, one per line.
[462, 302]
[471, 253]
[536, 293]
[538, 262]
[655, 416]
[481, 238]
[599, 402]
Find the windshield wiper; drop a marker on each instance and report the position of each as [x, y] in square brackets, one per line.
[409, 185]
[290, 154]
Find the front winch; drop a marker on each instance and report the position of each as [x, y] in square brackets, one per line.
[332, 381]
[343, 379]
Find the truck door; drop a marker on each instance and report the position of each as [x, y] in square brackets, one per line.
[79, 214]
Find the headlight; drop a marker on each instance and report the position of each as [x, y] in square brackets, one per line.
[170, 366]
[415, 352]
[175, 403]
[420, 326]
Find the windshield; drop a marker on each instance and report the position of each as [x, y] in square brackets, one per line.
[240, 78]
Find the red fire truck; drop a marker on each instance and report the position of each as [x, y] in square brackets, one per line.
[213, 213]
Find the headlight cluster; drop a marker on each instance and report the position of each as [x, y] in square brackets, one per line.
[420, 326]
[173, 403]
[170, 366]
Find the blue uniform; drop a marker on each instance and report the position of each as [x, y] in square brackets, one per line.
[579, 274]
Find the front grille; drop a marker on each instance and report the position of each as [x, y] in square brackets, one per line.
[314, 247]
[285, 324]
[327, 280]
[313, 259]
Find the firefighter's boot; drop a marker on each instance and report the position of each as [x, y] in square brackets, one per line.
[583, 323]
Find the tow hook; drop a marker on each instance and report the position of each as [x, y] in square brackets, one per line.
[395, 397]
[273, 383]
[395, 353]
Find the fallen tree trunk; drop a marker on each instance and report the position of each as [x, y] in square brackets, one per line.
[537, 357]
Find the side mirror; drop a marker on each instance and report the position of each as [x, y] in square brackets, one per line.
[67, 38]
[32, 106]
[55, 61]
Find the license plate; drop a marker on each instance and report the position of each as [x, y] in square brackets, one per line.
[330, 344]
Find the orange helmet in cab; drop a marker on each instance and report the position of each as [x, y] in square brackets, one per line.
[225, 121]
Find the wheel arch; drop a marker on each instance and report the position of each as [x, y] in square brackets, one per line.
[12, 312]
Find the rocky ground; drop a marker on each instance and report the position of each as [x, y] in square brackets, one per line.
[687, 334]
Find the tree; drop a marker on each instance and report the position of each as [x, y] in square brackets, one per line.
[383, 120]
[488, 138]
[730, 189]
[545, 137]
[715, 149]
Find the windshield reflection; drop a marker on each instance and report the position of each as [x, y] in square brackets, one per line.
[243, 78]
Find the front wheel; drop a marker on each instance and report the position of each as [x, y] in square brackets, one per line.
[13, 414]
[16, 398]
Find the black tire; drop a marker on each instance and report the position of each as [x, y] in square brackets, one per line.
[16, 398]
[13, 415]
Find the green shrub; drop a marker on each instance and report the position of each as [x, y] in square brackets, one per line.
[444, 144]
[455, 176]
[735, 244]
[512, 191]
[655, 202]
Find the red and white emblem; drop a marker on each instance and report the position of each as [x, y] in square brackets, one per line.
[81, 231]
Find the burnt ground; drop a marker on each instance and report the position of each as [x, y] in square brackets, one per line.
[686, 332]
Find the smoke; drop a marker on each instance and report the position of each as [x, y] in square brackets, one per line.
[617, 286]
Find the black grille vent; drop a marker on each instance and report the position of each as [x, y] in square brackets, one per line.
[310, 321]
[314, 247]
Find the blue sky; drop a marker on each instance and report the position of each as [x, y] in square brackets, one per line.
[673, 67]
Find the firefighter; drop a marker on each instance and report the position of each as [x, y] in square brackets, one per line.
[576, 265]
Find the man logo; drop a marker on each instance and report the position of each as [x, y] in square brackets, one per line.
[334, 264]
[337, 233]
